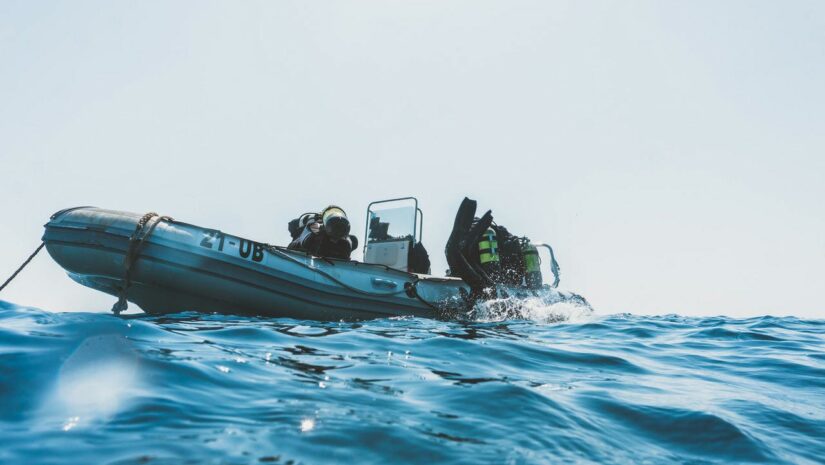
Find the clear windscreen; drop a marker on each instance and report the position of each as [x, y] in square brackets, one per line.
[391, 221]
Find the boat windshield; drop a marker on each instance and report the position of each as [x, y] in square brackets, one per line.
[391, 221]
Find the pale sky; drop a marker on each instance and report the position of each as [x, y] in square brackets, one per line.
[672, 152]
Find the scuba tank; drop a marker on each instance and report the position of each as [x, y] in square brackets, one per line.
[335, 221]
[512, 262]
[488, 254]
[532, 262]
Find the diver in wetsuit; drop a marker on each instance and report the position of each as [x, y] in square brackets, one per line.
[462, 252]
[485, 255]
[517, 262]
[324, 234]
[508, 260]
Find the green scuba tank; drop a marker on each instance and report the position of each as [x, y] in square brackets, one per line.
[532, 262]
[488, 253]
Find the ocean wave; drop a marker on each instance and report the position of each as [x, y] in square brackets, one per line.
[541, 384]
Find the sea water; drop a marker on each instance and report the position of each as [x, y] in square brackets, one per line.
[557, 385]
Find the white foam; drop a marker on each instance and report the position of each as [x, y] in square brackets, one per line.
[547, 306]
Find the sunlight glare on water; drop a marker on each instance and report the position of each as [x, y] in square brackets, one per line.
[94, 381]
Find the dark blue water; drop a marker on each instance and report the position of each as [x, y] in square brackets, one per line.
[89, 388]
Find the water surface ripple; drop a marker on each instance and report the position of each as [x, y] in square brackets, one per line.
[212, 389]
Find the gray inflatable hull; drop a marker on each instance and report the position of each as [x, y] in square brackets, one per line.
[183, 267]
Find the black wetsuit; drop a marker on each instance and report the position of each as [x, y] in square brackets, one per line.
[321, 245]
[512, 260]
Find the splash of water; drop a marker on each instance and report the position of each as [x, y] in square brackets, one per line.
[546, 306]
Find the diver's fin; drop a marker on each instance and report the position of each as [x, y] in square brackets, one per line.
[463, 220]
[464, 216]
[469, 247]
[474, 234]
[460, 247]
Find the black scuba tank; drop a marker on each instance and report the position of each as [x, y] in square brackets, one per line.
[335, 221]
[512, 262]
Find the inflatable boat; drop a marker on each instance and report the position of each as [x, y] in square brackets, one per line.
[168, 266]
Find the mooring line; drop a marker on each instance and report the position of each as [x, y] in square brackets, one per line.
[22, 266]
